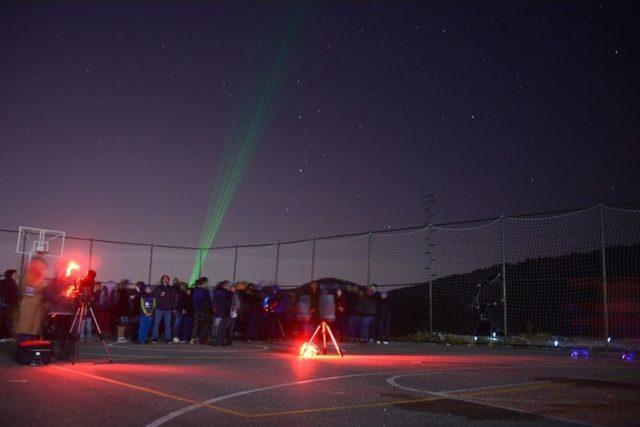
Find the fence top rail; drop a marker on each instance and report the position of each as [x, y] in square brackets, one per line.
[544, 214]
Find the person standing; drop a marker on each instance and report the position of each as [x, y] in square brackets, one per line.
[147, 308]
[341, 315]
[31, 311]
[368, 312]
[383, 318]
[178, 308]
[187, 315]
[9, 301]
[233, 315]
[221, 308]
[201, 311]
[164, 295]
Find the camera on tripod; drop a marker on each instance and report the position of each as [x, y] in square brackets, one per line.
[81, 290]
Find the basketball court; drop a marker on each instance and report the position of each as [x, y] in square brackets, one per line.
[268, 384]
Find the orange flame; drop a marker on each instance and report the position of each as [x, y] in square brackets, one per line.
[70, 291]
[72, 266]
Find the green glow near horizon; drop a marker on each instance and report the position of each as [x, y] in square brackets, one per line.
[242, 142]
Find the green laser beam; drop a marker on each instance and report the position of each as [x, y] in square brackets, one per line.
[236, 158]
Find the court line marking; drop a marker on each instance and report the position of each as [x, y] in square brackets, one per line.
[434, 396]
[483, 389]
[179, 412]
[453, 394]
[150, 391]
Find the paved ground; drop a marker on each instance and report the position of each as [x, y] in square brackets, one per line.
[256, 384]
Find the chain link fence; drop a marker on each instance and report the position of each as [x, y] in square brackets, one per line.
[539, 278]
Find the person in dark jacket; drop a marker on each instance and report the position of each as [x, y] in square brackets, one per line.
[128, 308]
[341, 315]
[314, 307]
[164, 295]
[366, 308]
[201, 311]
[233, 315]
[9, 302]
[221, 308]
[178, 307]
[187, 315]
[254, 313]
[383, 314]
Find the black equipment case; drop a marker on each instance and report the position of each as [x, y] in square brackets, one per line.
[34, 352]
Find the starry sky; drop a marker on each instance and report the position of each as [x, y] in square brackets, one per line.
[113, 115]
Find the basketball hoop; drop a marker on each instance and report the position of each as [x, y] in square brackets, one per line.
[40, 242]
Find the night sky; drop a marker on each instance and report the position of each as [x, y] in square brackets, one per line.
[113, 115]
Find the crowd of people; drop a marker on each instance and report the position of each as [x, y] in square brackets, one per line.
[171, 311]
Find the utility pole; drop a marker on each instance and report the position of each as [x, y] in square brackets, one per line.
[429, 254]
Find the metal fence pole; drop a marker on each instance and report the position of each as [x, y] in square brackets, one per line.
[150, 262]
[603, 260]
[430, 309]
[90, 252]
[235, 264]
[369, 259]
[277, 260]
[504, 272]
[313, 258]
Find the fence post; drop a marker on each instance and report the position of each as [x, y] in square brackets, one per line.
[90, 252]
[150, 263]
[313, 258]
[235, 263]
[277, 260]
[603, 260]
[369, 259]
[503, 257]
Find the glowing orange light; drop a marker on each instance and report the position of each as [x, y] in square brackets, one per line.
[72, 266]
[309, 350]
[69, 292]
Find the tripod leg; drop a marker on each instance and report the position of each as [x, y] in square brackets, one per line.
[313, 336]
[75, 319]
[104, 344]
[335, 343]
[324, 338]
[76, 344]
[284, 338]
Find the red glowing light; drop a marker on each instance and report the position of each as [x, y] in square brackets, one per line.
[70, 291]
[309, 350]
[72, 266]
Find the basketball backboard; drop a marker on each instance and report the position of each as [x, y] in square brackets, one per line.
[40, 241]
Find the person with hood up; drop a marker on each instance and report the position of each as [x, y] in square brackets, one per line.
[164, 295]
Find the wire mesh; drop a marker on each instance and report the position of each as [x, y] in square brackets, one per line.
[294, 264]
[549, 273]
[256, 264]
[622, 260]
[343, 258]
[174, 262]
[218, 264]
[554, 277]
[115, 261]
[465, 264]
